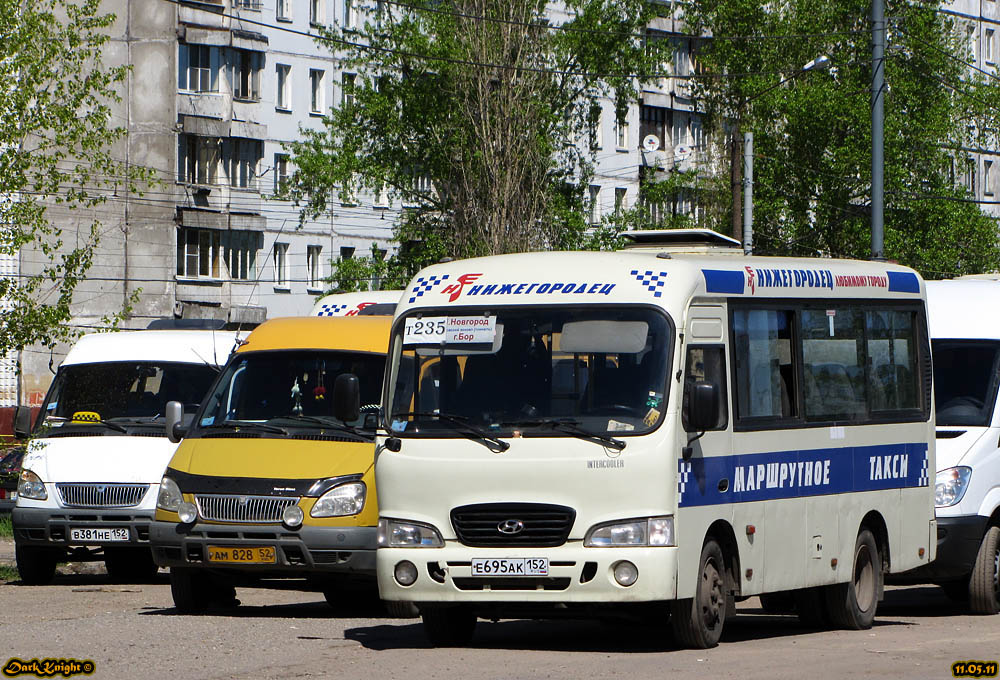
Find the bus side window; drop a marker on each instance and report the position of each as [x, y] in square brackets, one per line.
[706, 363]
[765, 383]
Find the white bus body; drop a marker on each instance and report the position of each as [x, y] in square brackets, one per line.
[965, 341]
[93, 466]
[785, 498]
[378, 302]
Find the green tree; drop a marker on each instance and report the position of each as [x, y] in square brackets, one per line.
[475, 114]
[56, 141]
[812, 135]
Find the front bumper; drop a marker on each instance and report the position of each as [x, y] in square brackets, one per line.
[302, 552]
[50, 527]
[958, 544]
[576, 575]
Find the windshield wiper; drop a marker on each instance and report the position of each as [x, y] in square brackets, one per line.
[462, 426]
[570, 427]
[248, 425]
[327, 422]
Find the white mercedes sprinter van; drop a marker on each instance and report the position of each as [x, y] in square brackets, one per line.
[91, 475]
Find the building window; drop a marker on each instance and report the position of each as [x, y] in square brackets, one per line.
[988, 46]
[681, 58]
[283, 97]
[315, 266]
[621, 134]
[595, 203]
[280, 171]
[316, 83]
[970, 175]
[197, 159]
[198, 253]
[619, 200]
[653, 122]
[240, 248]
[244, 159]
[347, 90]
[246, 74]
[680, 131]
[316, 12]
[988, 178]
[697, 135]
[346, 252]
[281, 264]
[283, 10]
[197, 68]
[595, 116]
[350, 14]
[248, 4]
[382, 196]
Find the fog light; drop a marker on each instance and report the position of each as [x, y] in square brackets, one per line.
[626, 573]
[405, 573]
[187, 512]
[292, 516]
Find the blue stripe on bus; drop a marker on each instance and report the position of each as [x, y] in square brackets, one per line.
[722, 281]
[903, 282]
[795, 474]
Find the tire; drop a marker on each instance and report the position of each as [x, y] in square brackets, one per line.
[698, 622]
[130, 565]
[852, 605]
[36, 566]
[191, 590]
[778, 603]
[401, 610]
[984, 584]
[449, 627]
[810, 606]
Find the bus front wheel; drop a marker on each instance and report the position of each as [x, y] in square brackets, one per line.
[852, 605]
[984, 585]
[698, 622]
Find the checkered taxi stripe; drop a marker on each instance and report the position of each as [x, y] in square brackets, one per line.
[652, 281]
[425, 284]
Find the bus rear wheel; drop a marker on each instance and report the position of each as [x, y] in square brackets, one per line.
[852, 605]
[698, 622]
[36, 566]
[984, 585]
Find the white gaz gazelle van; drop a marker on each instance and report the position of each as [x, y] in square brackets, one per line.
[965, 340]
[91, 475]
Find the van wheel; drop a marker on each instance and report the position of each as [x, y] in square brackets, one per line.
[401, 610]
[191, 590]
[984, 585]
[129, 565]
[852, 605]
[449, 626]
[698, 622]
[36, 566]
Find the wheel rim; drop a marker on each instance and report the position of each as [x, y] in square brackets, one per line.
[864, 578]
[711, 598]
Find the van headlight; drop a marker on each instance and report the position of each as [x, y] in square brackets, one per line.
[31, 486]
[346, 499]
[950, 485]
[170, 497]
[649, 531]
[396, 533]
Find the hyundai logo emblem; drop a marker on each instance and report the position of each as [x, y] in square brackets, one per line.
[510, 526]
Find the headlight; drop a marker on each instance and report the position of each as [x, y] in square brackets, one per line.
[651, 531]
[950, 485]
[394, 533]
[346, 499]
[30, 486]
[170, 495]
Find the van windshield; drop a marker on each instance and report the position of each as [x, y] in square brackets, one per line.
[965, 381]
[123, 391]
[290, 388]
[532, 371]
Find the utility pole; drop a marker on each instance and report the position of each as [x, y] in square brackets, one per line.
[747, 193]
[878, 120]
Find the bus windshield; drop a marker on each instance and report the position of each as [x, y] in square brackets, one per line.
[535, 371]
[965, 381]
[291, 387]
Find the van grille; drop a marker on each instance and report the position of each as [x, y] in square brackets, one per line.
[234, 508]
[542, 525]
[102, 495]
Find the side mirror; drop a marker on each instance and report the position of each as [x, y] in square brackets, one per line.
[174, 416]
[347, 398]
[22, 422]
[703, 406]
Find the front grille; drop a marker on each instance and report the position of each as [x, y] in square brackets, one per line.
[541, 525]
[102, 495]
[519, 583]
[233, 508]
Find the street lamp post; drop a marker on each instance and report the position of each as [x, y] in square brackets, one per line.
[819, 63]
